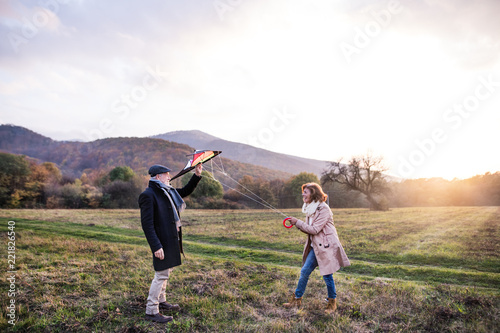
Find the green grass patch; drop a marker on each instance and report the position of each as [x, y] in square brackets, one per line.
[412, 270]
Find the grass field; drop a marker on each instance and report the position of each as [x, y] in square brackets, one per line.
[413, 270]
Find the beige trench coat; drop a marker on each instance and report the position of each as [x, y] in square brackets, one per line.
[324, 239]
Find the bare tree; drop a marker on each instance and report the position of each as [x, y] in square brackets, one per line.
[363, 174]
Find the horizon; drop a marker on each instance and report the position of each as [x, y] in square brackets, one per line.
[277, 152]
[415, 82]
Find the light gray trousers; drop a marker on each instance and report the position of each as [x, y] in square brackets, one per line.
[157, 291]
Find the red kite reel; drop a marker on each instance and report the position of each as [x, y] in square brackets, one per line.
[285, 225]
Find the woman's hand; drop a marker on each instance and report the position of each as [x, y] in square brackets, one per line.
[293, 220]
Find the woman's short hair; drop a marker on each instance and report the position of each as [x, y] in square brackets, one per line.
[317, 193]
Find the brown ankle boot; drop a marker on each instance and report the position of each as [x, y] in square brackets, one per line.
[294, 302]
[331, 306]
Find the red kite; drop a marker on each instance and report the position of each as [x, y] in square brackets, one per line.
[199, 156]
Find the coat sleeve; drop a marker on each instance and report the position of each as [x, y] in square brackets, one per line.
[190, 186]
[147, 221]
[320, 220]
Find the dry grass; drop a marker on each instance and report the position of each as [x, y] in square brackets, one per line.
[84, 278]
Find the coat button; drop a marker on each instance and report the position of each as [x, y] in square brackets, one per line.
[319, 244]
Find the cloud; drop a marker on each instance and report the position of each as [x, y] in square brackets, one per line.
[234, 67]
[469, 31]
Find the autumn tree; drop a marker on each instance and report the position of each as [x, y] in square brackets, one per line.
[339, 196]
[293, 187]
[71, 195]
[256, 192]
[277, 187]
[122, 192]
[363, 174]
[14, 172]
[123, 173]
[207, 187]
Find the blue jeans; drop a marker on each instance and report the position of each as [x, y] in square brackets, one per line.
[309, 266]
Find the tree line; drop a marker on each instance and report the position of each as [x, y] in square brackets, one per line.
[27, 183]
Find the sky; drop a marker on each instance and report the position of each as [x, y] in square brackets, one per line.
[416, 82]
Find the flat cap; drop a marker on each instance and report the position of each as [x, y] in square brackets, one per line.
[157, 169]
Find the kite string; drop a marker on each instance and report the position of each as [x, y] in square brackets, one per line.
[246, 188]
[249, 197]
[262, 202]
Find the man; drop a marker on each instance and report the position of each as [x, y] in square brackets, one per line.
[160, 206]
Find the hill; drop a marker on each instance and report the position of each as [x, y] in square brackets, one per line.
[246, 153]
[74, 158]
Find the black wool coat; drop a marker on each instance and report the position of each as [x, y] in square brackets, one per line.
[157, 220]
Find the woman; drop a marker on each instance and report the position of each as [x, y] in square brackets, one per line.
[322, 248]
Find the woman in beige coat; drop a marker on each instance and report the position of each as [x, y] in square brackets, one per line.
[322, 247]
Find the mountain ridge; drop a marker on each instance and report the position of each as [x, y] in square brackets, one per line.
[246, 153]
[75, 158]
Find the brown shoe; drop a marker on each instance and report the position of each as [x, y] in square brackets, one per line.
[159, 318]
[331, 307]
[294, 302]
[169, 307]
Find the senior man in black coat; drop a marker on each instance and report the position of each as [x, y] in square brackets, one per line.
[161, 206]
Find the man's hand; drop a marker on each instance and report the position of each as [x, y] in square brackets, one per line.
[159, 254]
[198, 169]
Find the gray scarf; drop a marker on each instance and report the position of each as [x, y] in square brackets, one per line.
[174, 197]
